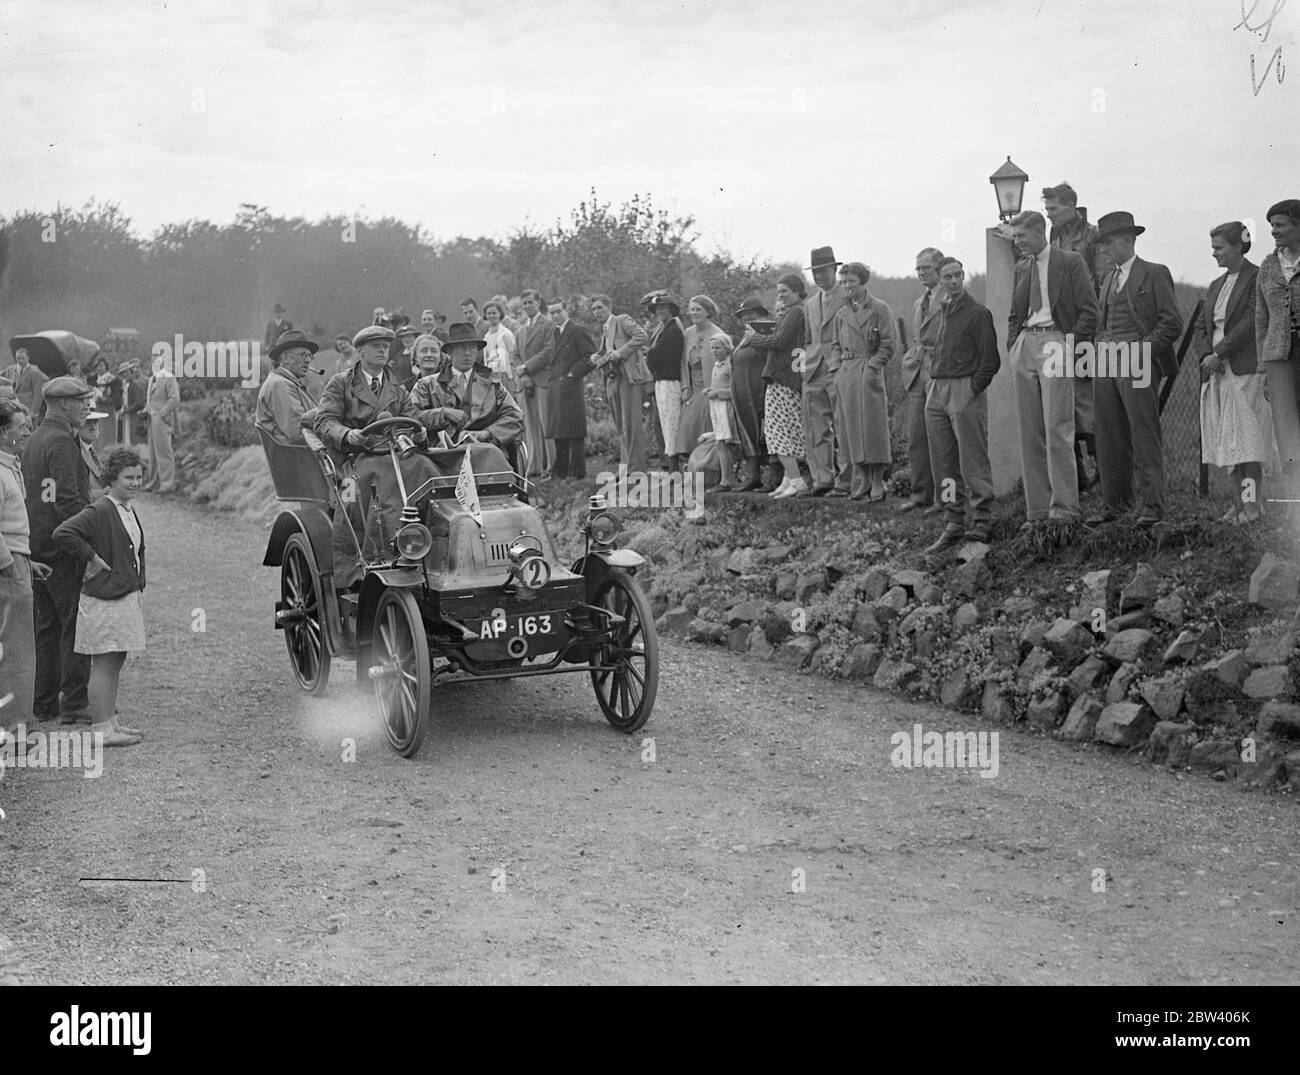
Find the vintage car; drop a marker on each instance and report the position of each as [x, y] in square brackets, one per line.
[52, 351]
[453, 592]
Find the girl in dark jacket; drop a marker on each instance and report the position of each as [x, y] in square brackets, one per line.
[108, 536]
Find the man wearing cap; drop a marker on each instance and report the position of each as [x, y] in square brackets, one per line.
[276, 327]
[284, 405]
[351, 401]
[58, 486]
[162, 401]
[1138, 330]
[28, 381]
[817, 364]
[536, 339]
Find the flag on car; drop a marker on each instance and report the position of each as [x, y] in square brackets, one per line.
[467, 491]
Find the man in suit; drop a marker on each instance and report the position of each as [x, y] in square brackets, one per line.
[1139, 313]
[28, 381]
[276, 327]
[831, 470]
[621, 357]
[58, 486]
[162, 401]
[566, 416]
[926, 322]
[1053, 306]
[536, 340]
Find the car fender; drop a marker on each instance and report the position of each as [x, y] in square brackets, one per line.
[596, 564]
[372, 586]
[315, 524]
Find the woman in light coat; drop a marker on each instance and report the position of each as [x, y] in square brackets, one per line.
[697, 372]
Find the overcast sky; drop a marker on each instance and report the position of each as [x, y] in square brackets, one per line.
[778, 126]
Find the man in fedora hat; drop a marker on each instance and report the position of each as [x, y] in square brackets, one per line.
[465, 401]
[58, 486]
[1139, 313]
[284, 400]
[276, 327]
[817, 365]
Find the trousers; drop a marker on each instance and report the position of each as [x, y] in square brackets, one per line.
[59, 668]
[1045, 414]
[957, 421]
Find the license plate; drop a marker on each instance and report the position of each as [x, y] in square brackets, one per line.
[531, 625]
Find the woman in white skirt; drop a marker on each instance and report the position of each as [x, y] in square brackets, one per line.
[108, 537]
[1236, 430]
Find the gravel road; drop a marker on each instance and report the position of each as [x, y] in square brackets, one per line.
[770, 839]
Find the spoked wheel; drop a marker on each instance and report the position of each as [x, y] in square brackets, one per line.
[626, 691]
[303, 616]
[401, 671]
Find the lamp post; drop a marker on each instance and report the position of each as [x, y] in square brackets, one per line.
[1009, 188]
[1000, 261]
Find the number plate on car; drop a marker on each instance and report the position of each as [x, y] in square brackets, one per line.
[526, 626]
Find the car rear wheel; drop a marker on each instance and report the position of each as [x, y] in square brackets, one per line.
[302, 616]
[401, 671]
[626, 685]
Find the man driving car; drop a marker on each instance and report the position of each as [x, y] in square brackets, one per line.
[351, 402]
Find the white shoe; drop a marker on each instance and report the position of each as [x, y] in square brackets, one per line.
[793, 489]
[780, 488]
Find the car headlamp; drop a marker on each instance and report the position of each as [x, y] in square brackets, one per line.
[414, 541]
[604, 528]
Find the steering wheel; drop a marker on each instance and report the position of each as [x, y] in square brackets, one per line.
[390, 428]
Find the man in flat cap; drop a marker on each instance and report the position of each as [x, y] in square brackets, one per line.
[284, 400]
[351, 401]
[58, 486]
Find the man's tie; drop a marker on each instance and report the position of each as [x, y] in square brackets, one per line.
[1035, 288]
[374, 384]
[925, 306]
